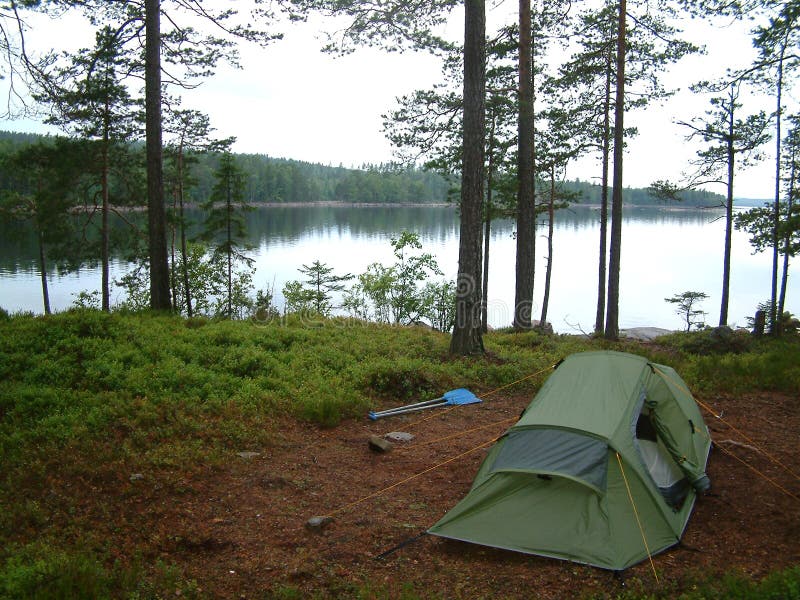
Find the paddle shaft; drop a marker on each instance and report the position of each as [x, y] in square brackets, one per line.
[405, 409]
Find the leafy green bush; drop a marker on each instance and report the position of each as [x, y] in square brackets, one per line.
[51, 574]
[403, 380]
[717, 340]
[777, 369]
[40, 572]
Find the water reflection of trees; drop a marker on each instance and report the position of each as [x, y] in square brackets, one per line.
[279, 225]
[282, 224]
[19, 247]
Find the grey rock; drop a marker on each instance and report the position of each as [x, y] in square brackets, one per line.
[644, 334]
[318, 523]
[248, 455]
[378, 444]
[399, 436]
[136, 477]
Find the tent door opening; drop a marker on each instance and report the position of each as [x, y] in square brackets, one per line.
[667, 476]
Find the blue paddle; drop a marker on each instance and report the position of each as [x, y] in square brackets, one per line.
[451, 398]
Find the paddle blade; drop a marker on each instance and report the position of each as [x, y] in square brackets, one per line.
[460, 396]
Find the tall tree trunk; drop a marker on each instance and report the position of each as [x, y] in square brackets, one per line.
[467, 330]
[526, 210]
[229, 209]
[487, 232]
[612, 310]
[726, 257]
[104, 260]
[549, 269]
[776, 219]
[784, 280]
[43, 274]
[184, 254]
[156, 214]
[173, 235]
[787, 238]
[600, 316]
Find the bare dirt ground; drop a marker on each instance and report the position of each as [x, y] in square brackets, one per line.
[240, 532]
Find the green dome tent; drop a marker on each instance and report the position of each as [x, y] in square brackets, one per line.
[602, 468]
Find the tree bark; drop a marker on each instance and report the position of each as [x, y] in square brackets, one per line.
[787, 239]
[156, 214]
[184, 253]
[228, 218]
[467, 337]
[726, 257]
[612, 310]
[173, 235]
[775, 328]
[600, 316]
[526, 210]
[104, 259]
[43, 273]
[487, 232]
[549, 270]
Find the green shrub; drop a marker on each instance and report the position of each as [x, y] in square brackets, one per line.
[716, 340]
[40, 572]
[776, 368]
[196, 322]
[94, 380]
[54, 574]
[399, 379]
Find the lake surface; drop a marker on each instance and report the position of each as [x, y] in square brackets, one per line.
[664, 252]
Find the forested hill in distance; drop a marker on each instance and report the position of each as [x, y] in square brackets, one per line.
[281, 180]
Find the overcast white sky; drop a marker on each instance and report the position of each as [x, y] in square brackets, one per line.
[290, 100]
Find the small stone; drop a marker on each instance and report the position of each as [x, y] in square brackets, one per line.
[248, 455]
[136, 477]
[378, 444]
[318, 523]
[399, 436]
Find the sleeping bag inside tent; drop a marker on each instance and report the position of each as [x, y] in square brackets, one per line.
[609, 437]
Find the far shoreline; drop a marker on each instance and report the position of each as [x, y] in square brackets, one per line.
[336, 204]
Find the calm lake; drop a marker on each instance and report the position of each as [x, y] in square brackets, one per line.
[664, 252]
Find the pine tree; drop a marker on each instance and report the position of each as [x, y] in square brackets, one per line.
[94, 104]
[776, 44]
[192, 52]
[224, 225]
[526, 207]
[728, 139]
[315, 292]
[467, 338]
[587, 89]
[43, 176]
[189, 133]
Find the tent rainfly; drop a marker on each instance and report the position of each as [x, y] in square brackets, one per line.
[602, 468]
